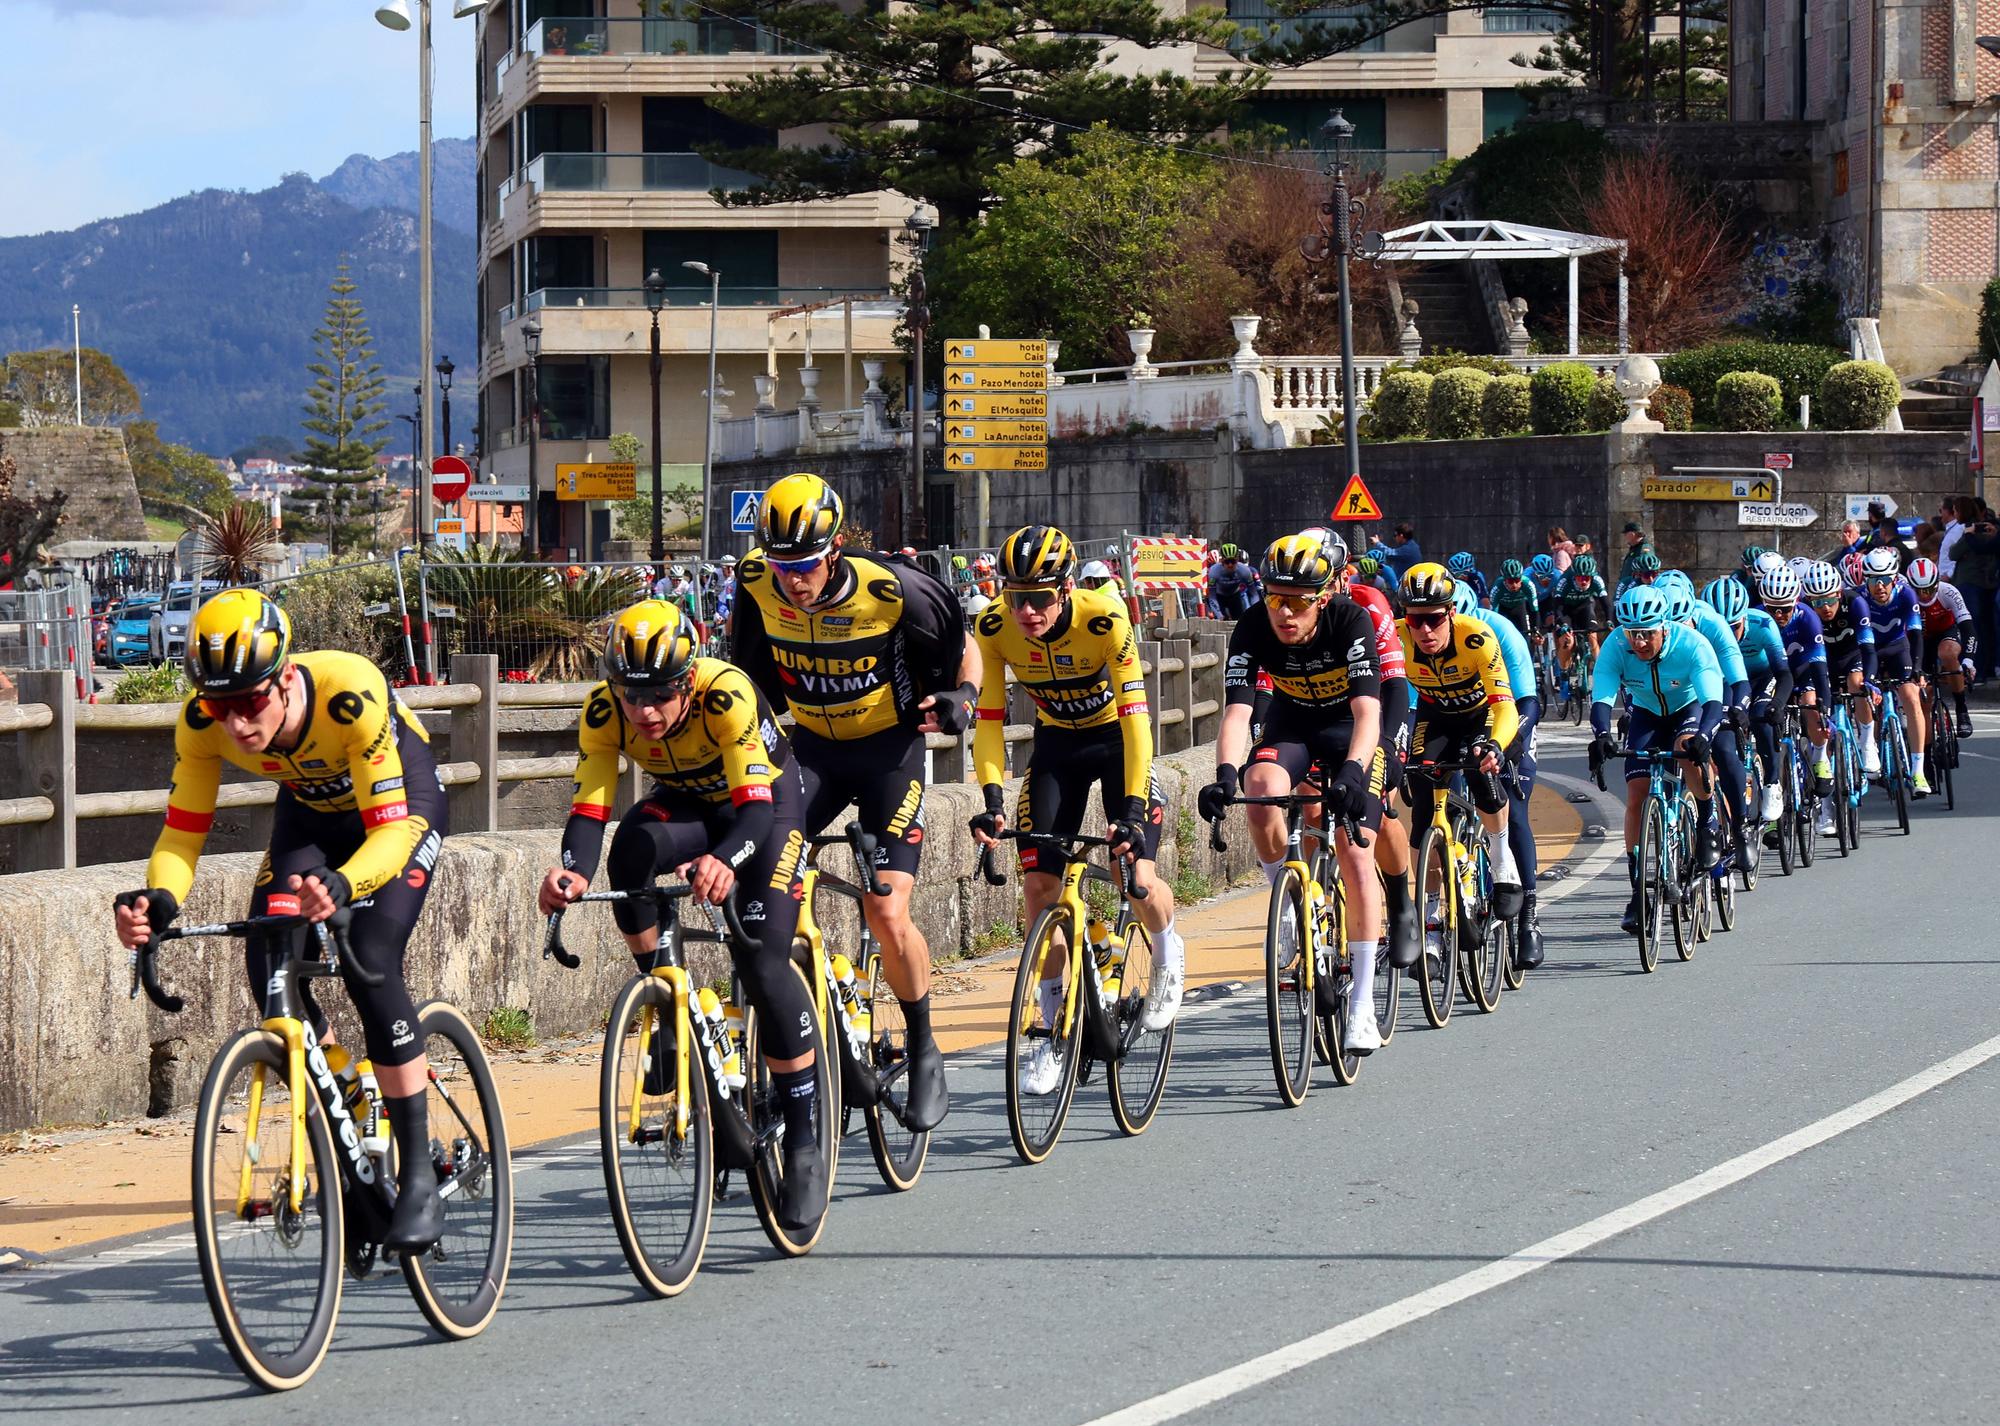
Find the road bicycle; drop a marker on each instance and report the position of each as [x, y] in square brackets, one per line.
[1305, 950]
[1582, 671]
[1671, 883]
[856, 1002]
[1092, 1009]
[684, 1098]
[1455, 895]
[1797, 828]
[1894, 740]
[294, 1166]
[1941, 751]
[1850, 785]
[1750, 854]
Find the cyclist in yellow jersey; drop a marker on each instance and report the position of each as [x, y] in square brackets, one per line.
[359, 821]
[869, 653]
[723, 812]
[1465, 708]
[1075, 654]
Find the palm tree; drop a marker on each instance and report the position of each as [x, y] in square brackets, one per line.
[238, 544]
[538, 622]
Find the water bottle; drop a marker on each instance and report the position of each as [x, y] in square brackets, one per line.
[854, 1015]
[374, 1123]
[345, 1070]
[1110, 956]
[721, 1028]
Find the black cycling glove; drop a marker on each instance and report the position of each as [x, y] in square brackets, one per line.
[161, 906]
[952, 708]
[1213, 800]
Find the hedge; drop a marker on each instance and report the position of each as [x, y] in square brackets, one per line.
[1672, 407]
[1799, 370]
[1401, 405]
[1857, 396]
[1559, 398]
[1456, 404]
[1607, 407]
[1503, 406]
[1989, 321]
[1454, 361]
[1748, 401]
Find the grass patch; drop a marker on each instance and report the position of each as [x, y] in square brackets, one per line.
[508, 1028]
[159, 527]
[1190, 886]
[998, 936]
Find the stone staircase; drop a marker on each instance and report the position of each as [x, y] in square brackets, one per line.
[1926, 411]
[1448, 316]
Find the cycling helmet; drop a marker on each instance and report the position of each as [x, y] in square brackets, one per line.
[1675, 579]
[1543, 565]
[1680, 600]
[1922, 574]
[1464, 600]
[1585, 565]
[1330, 542]
[729, 561]
[1728, 598]
[1512, 570]
[1462, 563]
[1820, 580]
[1767, 560]
[1429, 586]
[1297, 562]
[799, 518]
[908, 552]
[1779, 586]
[1228, 552]
[1881, 563]
[1645, 562]
[1368, 566]
[1095, 570]
[650, 645]
[960, 562]
[1642, 607]
[1037, 555]
[1850, 569]
[1752, 554]
[237, 640]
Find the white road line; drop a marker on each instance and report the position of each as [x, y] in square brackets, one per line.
[1608, 847]
[1235, 1380]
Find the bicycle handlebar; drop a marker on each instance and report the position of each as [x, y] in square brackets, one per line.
[1127, 869]
[864, 845]
[553, 948]
[334, 946]
[1350, 825]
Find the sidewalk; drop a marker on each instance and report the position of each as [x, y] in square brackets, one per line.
[66, 1188]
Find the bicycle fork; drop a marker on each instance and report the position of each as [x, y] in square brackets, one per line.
[678, 985]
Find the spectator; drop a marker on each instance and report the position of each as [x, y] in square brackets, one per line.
[1977, 558]
[1930, 535]
[1852, 541]
[1636, 545]
[1403, 551]
[1962, 512]
[1562, 549]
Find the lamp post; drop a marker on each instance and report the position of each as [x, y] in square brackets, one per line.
[531, 337]
[1334, 238]
[918, 225]
[656, 297]
[708, 429]
[444, 371]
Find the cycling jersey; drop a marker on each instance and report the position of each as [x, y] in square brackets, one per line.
[1464, 680]
[1083, 674]
[1586, 603]
[1685, 673]
[1762, 647]
[852, 665]
[1476, 580]
[1945, 614]
[1337, 664]
[1896, 620]
[1388, 644]
[1233, 588]
[1518, 604]
[1514, 652]
[1850, 638]
[1722, 643]
[349, 758]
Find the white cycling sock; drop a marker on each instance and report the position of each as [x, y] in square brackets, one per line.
[1505, 873]
[1362, 1000]
[1052, 996]
[1271, 869]
[1169, 949]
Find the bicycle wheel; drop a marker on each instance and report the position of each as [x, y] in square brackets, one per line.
[1388, 990]
[1842, 786]
[272, 1273]
[1752, 855]
[1652, 889]
[1704, 908]
[1437, 904]
[1896, 764]
[1475, 952]
[1288, 998]
[1036, 1120]
[899, 1152]
[1498, 956]
[1805, 826]
[1681, 873]
[1332, 1029]
[458, 1282]
[1947, 764]
[1788, 825]
[767, 1177]
[1724, 893]
[659, 1180]
[1138, 1076]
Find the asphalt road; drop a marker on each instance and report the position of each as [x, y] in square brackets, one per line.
[1597, 1204]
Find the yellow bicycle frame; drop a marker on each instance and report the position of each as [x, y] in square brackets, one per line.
[1070, 903]
[680, 987]
[293, 1033]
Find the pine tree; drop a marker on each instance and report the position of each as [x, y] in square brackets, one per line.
[343, 435]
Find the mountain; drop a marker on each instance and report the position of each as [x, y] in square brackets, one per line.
[364, 182]
[209, 302]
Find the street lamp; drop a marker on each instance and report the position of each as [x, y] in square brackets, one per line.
[918, 225]
[444, 371]
[656, 297]
[1334, 237]
[708, 430]
[531, 337]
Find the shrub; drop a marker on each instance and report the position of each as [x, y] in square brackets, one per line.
[1503, 408]
[1748, 401]
[163, 683]
[1857, 396]
[1453, 361]
[1607, 407]
[1989, 322]
[1401, 405]
[1559, 399]
[1799, 370]
[1455, 405]
[328, 601]
[1672, 407]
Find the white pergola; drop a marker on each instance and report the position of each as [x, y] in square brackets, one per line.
[1494, 240]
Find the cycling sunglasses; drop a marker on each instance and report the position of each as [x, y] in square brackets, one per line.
[239, 705]
[652, 697]
[1036, 599]
[804, 566]
[1435, 619]
[1293, 604]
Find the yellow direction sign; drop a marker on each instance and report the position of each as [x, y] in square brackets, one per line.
[1712, 487]
[606, 480]
[996, 458]
[980, 351]
[996, 433]
[1017, 406]
[996, 378]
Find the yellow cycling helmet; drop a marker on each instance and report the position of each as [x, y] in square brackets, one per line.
[238, 639]
[1429, 586]
[649, 646]
[1296, 562]
[800, 516]
[1037, 555]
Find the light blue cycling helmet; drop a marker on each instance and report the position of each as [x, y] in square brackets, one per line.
[1543, 565]
[1642, 607]
[1728, 598]
[1461, 563]
[1464, 600]
[1678, 590]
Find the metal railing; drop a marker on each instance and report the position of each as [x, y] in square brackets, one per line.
[631, 173]
[695, 296]
[591, 37]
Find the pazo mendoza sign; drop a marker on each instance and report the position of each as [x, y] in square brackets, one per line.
[606, 480]
[1712, 487]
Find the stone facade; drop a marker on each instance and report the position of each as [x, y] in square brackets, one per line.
[89, 463]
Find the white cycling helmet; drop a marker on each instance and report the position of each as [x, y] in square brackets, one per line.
[1766, 562]
[1820, 580]
[1881, 563]
[1922, 574]
[1779, 586]
[1096, 569]
[1800, 564]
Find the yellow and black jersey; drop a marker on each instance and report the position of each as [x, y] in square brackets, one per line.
[348, 759]
[885, 635]
[1337, 664]
[1085, 674]
[1465, 679]
[726, 750]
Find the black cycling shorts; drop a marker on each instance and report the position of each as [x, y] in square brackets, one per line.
[882, 776]
[302, 839]
[1650, 730]
[1839, 666]
[666, 830]
[1438, 739]
[1892, 662]
[1062, 765]
[1306, 749]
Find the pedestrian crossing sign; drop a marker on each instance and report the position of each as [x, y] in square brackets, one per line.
[743, 510]
[1356, 502]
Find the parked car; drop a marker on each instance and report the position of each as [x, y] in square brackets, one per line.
[171, 618]
[131, 634]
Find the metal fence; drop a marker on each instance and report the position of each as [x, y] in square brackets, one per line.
[49, 627]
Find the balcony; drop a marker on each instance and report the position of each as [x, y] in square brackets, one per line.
[632, 173]
[583, 55]
[697, 296]
[613, 321]
[1387, 164]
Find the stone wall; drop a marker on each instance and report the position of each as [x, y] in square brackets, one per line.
[89, 463]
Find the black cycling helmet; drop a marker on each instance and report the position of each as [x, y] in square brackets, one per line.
[1037, 555]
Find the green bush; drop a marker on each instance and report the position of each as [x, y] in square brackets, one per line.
[1455, 405]
[1672, 407]
[1559, 398]
[1799, 371]
[1401, 405]
[1503, 409]
[163, 683]
[1989, 321]
[328, 601]
[1607, 407]
[1748, 401]
[1857, 396]
[1453, 361]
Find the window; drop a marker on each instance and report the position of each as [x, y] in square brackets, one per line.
[569, 260]
[1503, 108]
[748, 261]
[1274, 25]
[558, 128]
[1297, 121]
[576, 398]
[683, 125]
[1517, 22]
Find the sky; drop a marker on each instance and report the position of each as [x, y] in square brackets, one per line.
[119, 105]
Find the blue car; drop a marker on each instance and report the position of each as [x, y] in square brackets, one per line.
[131, 641]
